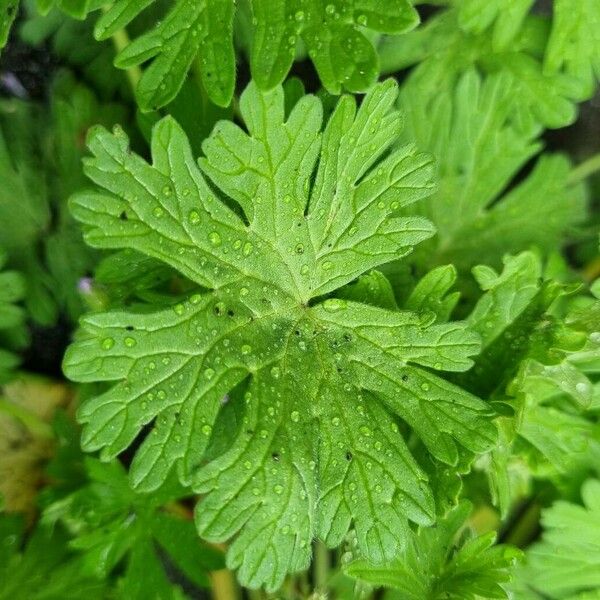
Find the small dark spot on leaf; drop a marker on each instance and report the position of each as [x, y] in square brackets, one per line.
[123, 216]
[129, 328]
[230, 313]
[348, 455]
[404, 377]
[275, 456]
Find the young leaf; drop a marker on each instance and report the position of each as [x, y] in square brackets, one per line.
[291, 215]
[436, 566]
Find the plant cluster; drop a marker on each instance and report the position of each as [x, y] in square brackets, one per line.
[260, 343]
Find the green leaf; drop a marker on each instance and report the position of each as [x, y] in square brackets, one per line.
[480, 151]
[332, 33]
[574, 44]
[12, 289]
[514, 51]
[74, 8]
[45, 568]
[292, 214]
[431, 293]
[567, 560]
[111, 525]
[199, 32]
[8, 12]
[506, 16]
[437, 566]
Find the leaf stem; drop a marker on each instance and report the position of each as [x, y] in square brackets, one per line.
[321, 566]
[31, 421]
[584, 170]
[120, 41]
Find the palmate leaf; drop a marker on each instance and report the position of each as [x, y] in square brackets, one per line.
[437, 566]
[317, 448]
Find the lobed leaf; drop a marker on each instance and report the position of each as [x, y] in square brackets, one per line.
[289, 214]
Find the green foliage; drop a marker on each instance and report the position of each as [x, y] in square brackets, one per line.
[199, 35]
[39, 168]
[313, 322]
[110, 525]
[566, 562]
[8, 12]
[332, 33]
[12, 289]
[45, 569]
[468, 126]
[302, 448]
[440, 563]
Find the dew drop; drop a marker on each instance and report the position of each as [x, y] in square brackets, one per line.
[130, 342]
[246, 349]
[158, 212]
[278, 489]
[209, 373]
[327, 265]
[295, 416]
[108, 343]
[334, 304]
[194, 217]
[247, 250]
[214, 238]
[206, 429]
[275, 372]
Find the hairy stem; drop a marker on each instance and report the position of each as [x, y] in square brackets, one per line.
[584, 170]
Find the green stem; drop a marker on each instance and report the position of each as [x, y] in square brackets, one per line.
[224, 585]
[525, 529]
[584, 170]
[321, 566]
[32, 422]
[121, 40]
